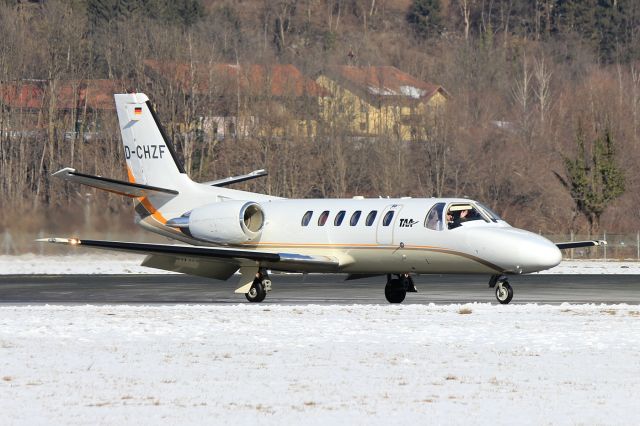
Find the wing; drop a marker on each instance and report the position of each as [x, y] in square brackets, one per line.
[290, 262]
[127, 189]
[577, 244]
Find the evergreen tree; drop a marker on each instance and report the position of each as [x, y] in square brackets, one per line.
[425, 17]
[593, 179]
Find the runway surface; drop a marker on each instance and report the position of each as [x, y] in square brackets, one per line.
[312, 289]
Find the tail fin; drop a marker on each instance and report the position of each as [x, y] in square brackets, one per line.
[151, 157]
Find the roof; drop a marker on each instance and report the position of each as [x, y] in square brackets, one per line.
[71, 94]
[385, 81]
[281, 80]
[22, 95]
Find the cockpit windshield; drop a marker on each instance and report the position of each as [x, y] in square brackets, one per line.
[492, 215]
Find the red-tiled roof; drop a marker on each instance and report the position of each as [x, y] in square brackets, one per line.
[92, 94]
[22, 95]
[277, 80]
[385, 81]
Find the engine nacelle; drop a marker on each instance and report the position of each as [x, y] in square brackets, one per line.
[229, 222]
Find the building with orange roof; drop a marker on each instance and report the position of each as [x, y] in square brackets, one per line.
[378, 100]
[243, 100]
[79, 104]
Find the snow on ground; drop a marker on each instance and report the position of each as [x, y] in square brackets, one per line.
[101, 263]
[366, 364]
[109, 263]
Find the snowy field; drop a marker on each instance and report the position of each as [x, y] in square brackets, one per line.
[366, 364]
[109, 263]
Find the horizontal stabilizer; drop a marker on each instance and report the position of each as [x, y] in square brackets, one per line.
[127, 189]
[578, 244]
[236, 179]
[291, 262]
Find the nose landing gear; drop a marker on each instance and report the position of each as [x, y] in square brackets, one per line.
[261, 285]
[504, 291]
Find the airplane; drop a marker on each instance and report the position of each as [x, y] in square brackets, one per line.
[223, 231]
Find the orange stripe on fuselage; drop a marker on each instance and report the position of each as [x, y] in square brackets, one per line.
[145, 201]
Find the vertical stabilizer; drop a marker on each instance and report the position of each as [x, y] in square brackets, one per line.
[151, 157]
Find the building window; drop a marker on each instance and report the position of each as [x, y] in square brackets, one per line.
[355, 217]
[323, 218]
[363, 126]
[339, 218]
[371, 217]
[307, 218]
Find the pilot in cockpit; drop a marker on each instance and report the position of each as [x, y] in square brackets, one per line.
[456, 218]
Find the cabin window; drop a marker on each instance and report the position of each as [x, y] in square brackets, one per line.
[355, 217]
[307, 218]
[339, 218]
[323, 218]
[371, 217]
[386, 220]
[434, 219]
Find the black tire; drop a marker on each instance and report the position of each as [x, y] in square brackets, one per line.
[394, 291]
[506, 294]
[257, 293]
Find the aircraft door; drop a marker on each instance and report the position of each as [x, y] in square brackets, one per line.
[386, 224]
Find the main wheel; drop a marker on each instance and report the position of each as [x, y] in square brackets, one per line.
[504, 293]
[257, 293]
[394, 291]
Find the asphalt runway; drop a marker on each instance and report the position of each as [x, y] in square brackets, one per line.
[312, 289]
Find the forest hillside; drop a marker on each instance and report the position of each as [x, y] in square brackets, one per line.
[541, 119]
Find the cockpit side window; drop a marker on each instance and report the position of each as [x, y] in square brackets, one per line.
[460, 213]
[434, 219]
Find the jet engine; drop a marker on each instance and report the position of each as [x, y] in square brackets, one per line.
[227, 222]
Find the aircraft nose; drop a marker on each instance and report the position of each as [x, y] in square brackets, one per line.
[518, 251]
[539, 254]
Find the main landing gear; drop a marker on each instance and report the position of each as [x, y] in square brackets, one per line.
[261, 285]
[396, 289]
[504, 291]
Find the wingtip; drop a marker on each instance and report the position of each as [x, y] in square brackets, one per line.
[64, 171]
[57, 240]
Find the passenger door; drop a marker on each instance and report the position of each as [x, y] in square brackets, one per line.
[384, 234]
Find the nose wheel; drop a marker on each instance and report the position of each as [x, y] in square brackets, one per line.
[261, 285]
[504, 291]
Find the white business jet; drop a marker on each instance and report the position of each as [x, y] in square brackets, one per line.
[224, 230]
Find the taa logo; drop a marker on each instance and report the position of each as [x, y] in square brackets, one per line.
[144, 152]
[407, 223]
